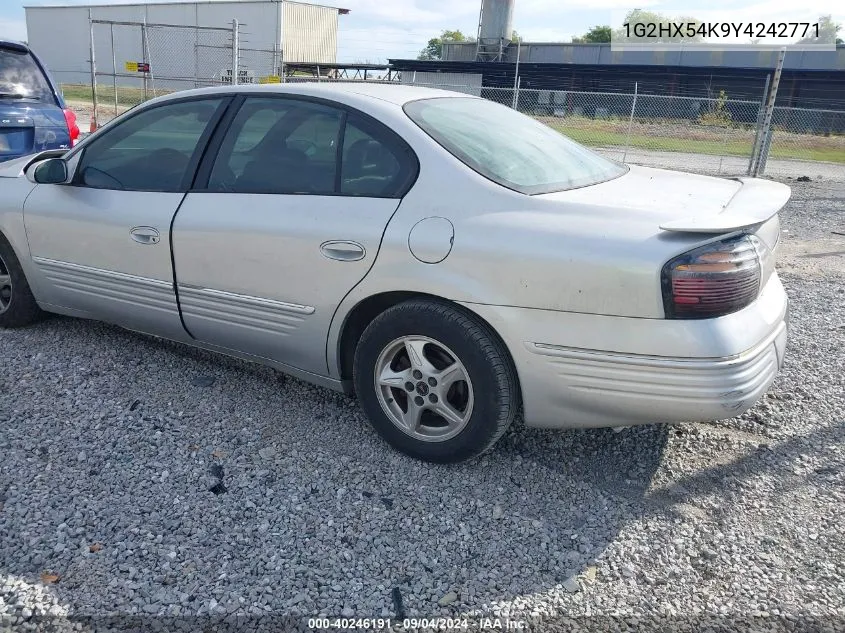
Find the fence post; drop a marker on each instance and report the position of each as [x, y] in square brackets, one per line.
[516, 75]
[761, 112]
[93, 125]
[766, 134]
[235, 52]
[516, 93]
[764, 151]
[144, 53]
[114, 68]
[149, 74]
[630, 123]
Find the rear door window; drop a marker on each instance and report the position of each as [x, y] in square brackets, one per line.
[21, 77]
[297, 146]
[372, 164]
[279, 146]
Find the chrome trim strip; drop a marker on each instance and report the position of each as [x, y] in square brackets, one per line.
[239, 299]
[100, 272]
[560, 351]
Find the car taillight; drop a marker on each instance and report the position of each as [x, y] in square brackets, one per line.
[72, 127]
[714, 279]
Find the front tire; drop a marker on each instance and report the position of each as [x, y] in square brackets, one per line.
[18, 307]
[435, 381]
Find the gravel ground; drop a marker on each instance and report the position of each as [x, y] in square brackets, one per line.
[143, 477]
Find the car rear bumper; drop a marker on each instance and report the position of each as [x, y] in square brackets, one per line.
[611, 371]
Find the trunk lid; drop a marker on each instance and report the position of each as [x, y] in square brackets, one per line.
[686, 203]
[29, 127]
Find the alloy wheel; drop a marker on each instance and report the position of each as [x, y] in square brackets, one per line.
[424, 388]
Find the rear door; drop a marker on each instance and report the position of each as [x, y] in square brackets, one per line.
[103, 241]
[290, 215]
[31, 119]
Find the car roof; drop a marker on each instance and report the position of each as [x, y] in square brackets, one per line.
[395, 93]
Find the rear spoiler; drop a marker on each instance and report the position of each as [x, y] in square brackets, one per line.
[755, 202]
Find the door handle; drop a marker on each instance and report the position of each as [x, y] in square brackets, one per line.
[344, 251]
[145, 235]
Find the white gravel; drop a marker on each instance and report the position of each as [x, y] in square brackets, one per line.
[154, 479]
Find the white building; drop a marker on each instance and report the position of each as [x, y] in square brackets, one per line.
[271, 33]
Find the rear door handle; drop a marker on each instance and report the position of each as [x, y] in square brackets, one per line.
[343, 250]
[145, 235]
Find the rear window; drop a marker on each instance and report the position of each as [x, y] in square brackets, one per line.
[21, 77]
[510, 148]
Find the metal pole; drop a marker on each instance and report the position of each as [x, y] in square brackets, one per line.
[150, 73]
[760, 167]
[760, 114]
[764, 152]
[93, 75]
[114, 68]
[235, 52]
[630, 123]
[196, 57]
[516, 75]
[516, 95]
[144, 53]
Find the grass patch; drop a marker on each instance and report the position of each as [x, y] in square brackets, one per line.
[126, 96]
[641, 141]
[694, 138]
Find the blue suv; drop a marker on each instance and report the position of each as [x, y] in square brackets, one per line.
[33, 116]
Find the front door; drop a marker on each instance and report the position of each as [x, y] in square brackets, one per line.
[289, 221]
[103, 240]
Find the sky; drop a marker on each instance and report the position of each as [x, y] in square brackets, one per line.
[376, 30]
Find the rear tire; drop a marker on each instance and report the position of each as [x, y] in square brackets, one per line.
[435, 381]
[18, 307]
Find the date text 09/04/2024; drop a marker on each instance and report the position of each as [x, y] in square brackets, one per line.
[416, 624]
[654, 30]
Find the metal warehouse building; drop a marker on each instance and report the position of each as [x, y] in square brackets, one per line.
[271, 33]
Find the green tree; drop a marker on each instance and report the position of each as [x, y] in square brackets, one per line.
[596, 35]
[828, 29]
[434, 49]
[639, 16]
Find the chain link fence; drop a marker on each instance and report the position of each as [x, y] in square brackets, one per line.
[132, 62]
[808, 134]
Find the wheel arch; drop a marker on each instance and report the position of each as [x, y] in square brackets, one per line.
[368, 308]
[21, 257]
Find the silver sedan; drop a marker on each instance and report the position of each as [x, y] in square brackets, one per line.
[452, 262]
